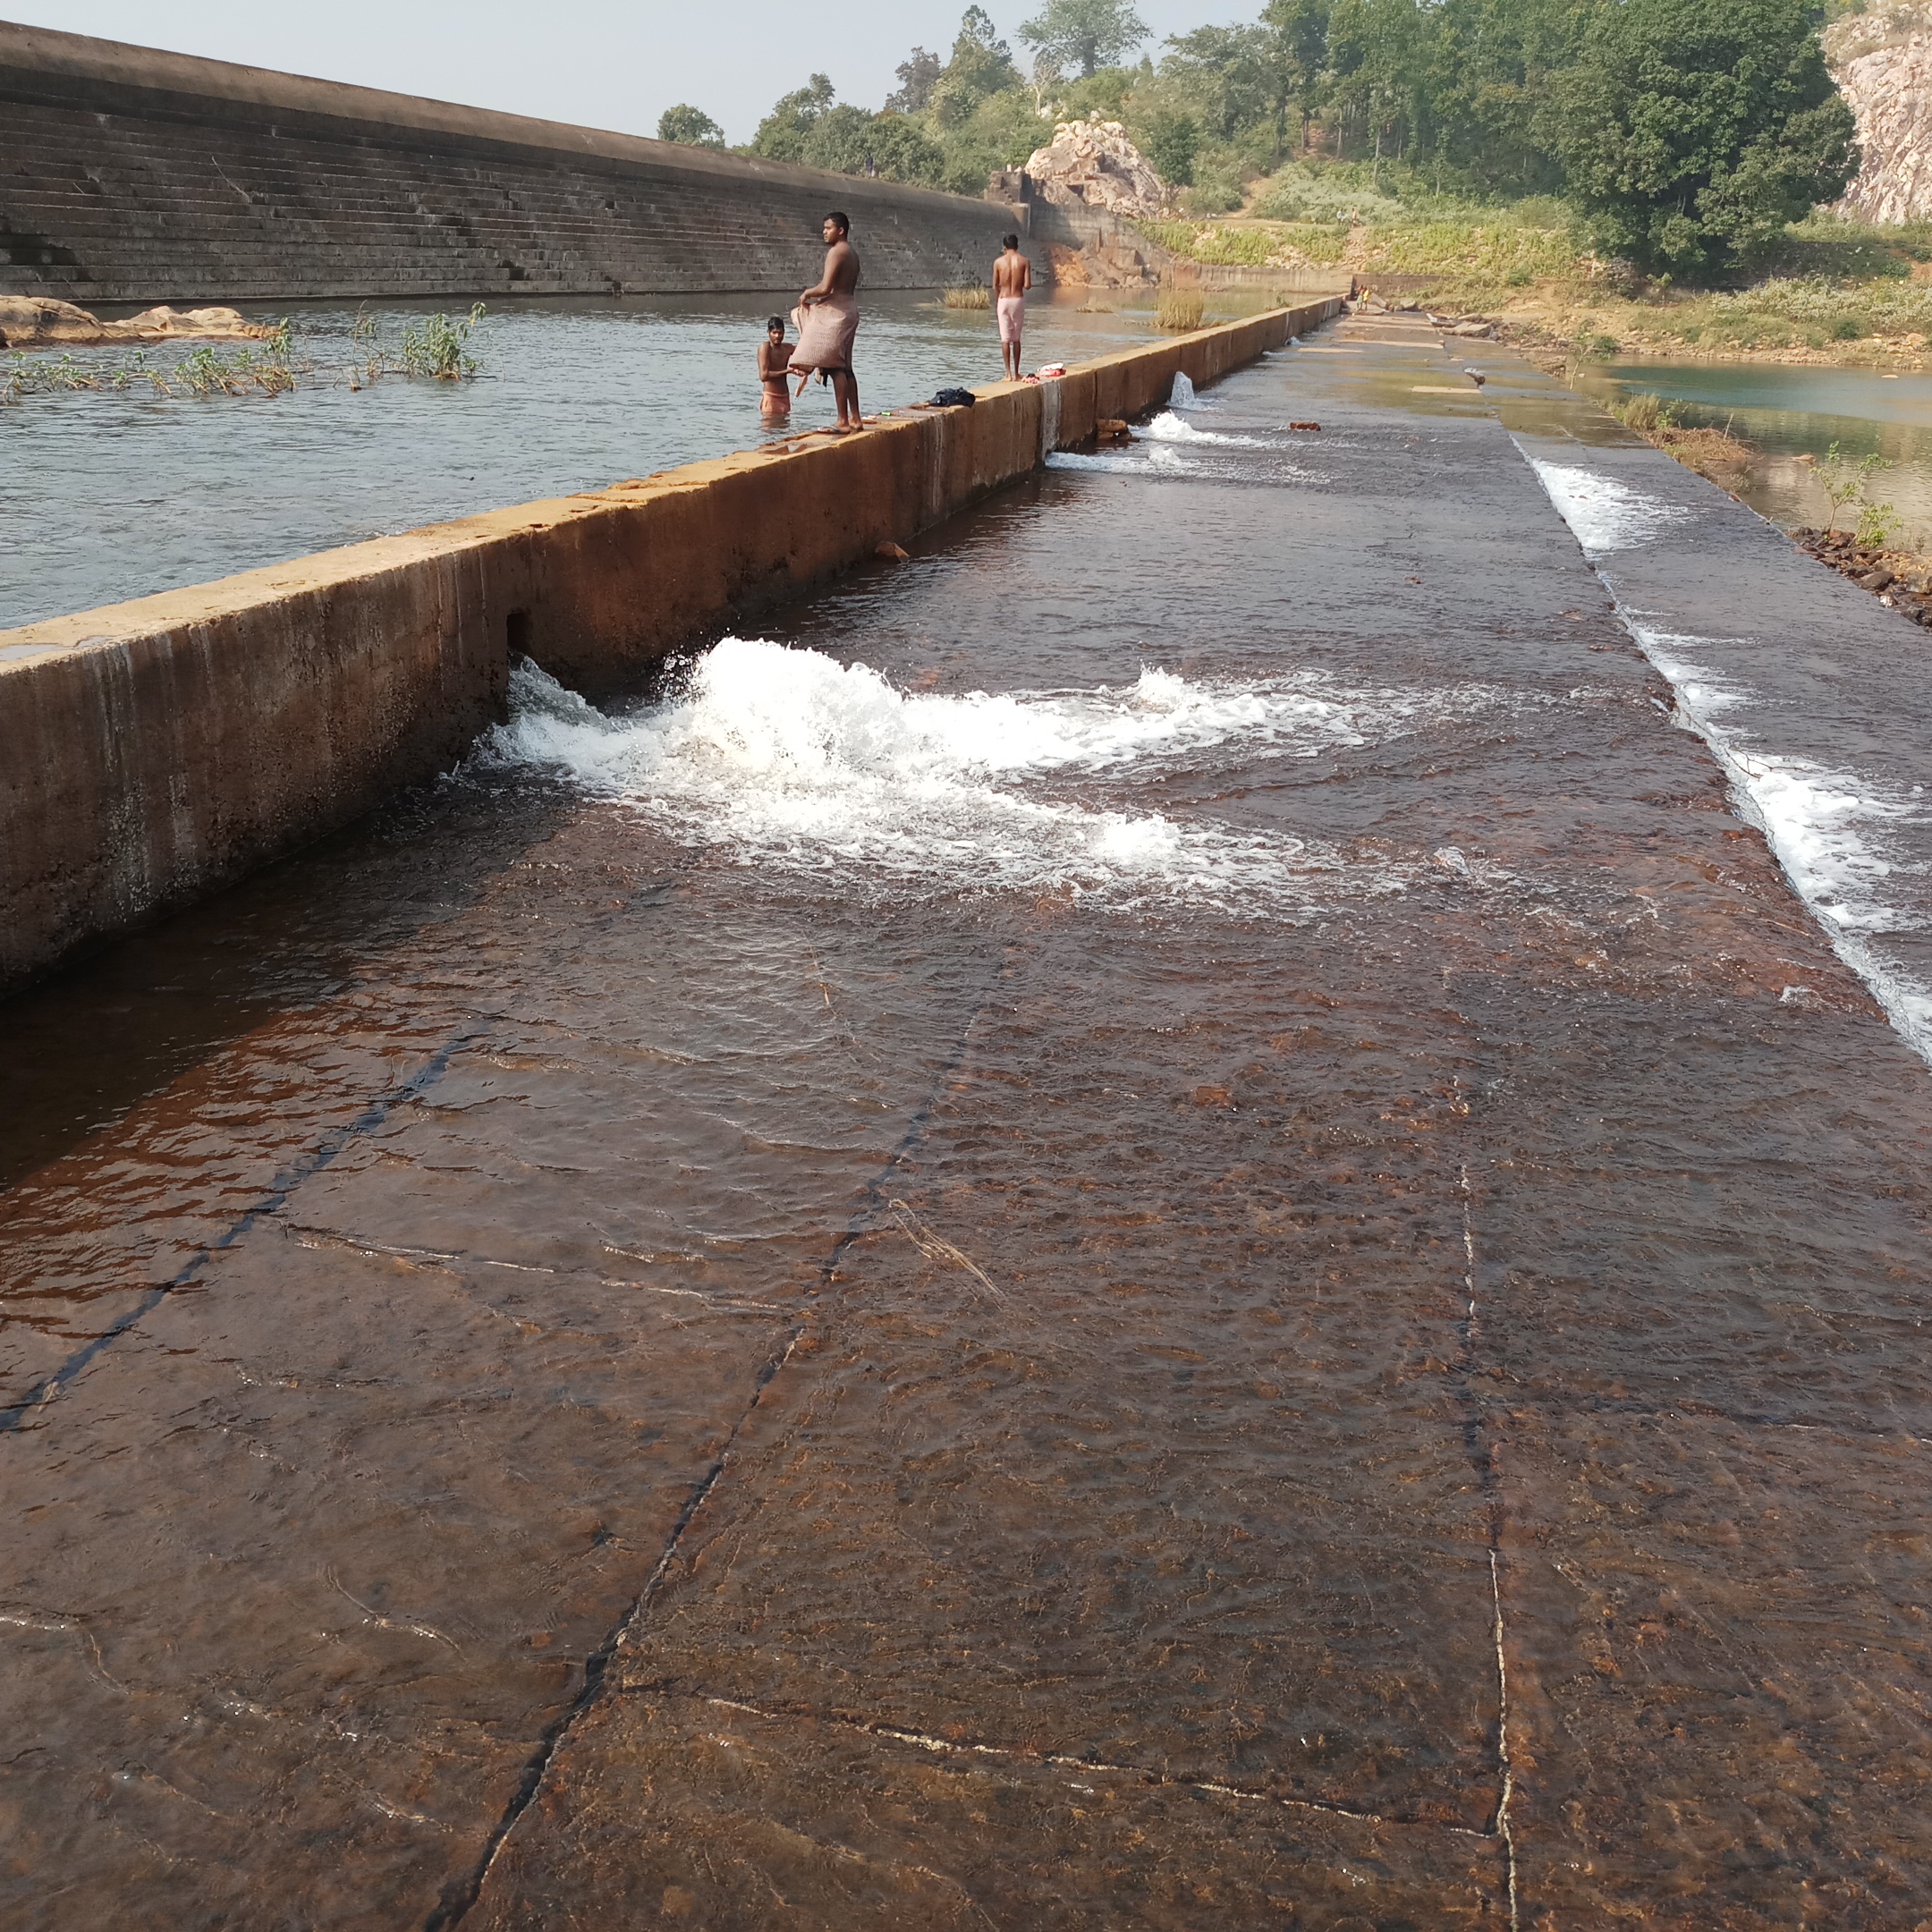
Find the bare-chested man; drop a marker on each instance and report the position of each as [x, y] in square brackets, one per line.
[774, 363]
[828, 321]
[1013, 277]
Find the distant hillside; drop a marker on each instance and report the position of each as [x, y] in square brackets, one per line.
[1883, 62]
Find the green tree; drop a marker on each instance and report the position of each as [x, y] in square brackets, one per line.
[1171, 141]
[1241, 77]
[1491, 67]
[1692, 131]
[690, 126]
[1000, 132]
[840, 139]
[1299, 30]
[850, 141]
[982, 66]
[1377, 53]
[781, 134]
[919, 75]
[1086, 34]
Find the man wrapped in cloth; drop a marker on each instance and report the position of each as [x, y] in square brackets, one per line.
[827, 318]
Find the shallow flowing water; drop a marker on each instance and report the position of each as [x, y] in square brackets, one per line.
[1165, 1219]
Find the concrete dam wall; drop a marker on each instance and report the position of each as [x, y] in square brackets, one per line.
[130, 175]
[157, 749]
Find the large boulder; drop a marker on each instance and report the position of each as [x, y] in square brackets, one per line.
[31, 321]
[1095, 163]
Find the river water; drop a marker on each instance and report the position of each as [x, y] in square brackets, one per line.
[1793, 413]
[106, 497]
[1167, 1219]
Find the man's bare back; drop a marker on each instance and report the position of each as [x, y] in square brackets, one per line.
[1013, 277]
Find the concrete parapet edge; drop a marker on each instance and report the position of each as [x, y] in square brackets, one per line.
[153, 752]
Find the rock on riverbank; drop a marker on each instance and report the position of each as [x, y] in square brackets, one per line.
[34, 321]
[1895, 577]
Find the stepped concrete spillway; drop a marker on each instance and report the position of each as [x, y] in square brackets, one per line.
[1163, 1220]
[132, 175]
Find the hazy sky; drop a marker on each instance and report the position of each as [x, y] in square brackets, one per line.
[593, 62]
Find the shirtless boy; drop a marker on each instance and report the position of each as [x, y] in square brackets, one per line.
[1013, 277]
[774, 362]
[828, 321]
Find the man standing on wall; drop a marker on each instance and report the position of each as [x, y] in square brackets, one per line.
[828, 321]
[1013, 277]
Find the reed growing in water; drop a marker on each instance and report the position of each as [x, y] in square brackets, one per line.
[1179, 310]
[972, 295]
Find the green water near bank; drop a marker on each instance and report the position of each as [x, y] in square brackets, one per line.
[1790, 413]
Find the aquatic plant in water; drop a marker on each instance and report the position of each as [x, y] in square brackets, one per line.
[1179, 310]
[440, 347]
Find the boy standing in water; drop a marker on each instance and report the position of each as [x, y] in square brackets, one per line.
[1013, 277]
[774, 361]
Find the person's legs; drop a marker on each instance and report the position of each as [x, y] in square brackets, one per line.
[1012, 311]
[845, 394]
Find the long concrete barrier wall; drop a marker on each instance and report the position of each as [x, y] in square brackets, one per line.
[129, 174]
[152, 751]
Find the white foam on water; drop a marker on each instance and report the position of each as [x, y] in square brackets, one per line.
[1817, 820]
[1183, 395]
[1819, 823]
[1168, 427]
[1103, 460]
[1605, 514]
[789, 759]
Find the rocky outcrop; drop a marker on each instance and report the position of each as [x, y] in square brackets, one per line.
[32, 321]
[1882, 62]
[1093, 162]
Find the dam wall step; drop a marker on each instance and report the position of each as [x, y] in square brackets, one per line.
[130, 175]
[158, 749]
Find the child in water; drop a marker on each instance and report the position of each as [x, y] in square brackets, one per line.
[774, 359]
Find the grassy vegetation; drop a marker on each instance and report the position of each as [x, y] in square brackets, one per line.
[1833, 290]
[1179, 310]
[437, 349]
[267, 370]
[972, 295]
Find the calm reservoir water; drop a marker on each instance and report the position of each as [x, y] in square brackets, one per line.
[106, 496]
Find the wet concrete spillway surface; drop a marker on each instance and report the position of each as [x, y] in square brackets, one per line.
[1164, 1220]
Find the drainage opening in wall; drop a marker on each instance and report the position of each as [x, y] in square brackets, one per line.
[517, 634]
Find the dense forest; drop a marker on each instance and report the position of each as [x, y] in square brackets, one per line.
[1683, 134]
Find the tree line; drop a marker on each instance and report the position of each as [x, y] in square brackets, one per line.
[1684, 134]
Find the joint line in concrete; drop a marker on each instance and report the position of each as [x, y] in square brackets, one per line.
[459, 1898]
[16, 1416]
[1141, 1773]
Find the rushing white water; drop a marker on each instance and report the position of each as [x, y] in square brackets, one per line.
[1824, 826]
[790, 759]
[1183, 395]
[1605, 514]
[1159, 460]
[1168, 427]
